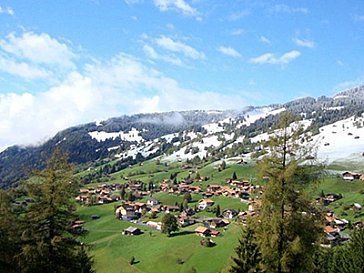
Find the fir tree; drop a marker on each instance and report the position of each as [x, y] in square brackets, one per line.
[349, 257]
[47, 242]
[289, 224]
[218, 211]
[9, 235]
[247, 253]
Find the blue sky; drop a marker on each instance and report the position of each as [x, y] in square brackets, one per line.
[68, 62]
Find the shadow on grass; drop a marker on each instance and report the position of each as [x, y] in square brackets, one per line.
[185, 232]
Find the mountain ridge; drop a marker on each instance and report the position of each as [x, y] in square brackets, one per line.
[144, 135]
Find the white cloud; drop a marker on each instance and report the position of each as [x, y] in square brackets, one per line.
[270, 58]
[179, 5]
[6, 10]
[122, 85]
[21, 69]
[179, 47]
[229, 51]
[39, 49]
[264, 40]
[304, 43]
[281, 8]
[30, 118]
[152, 54]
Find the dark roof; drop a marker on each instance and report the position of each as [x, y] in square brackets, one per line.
[131, 229]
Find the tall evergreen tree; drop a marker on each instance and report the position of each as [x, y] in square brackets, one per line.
[218, 211]
[248, 256]
[289, 223]
[47, 242]
[9, 235]
[349, 257]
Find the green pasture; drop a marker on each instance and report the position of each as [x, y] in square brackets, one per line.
[153, 251]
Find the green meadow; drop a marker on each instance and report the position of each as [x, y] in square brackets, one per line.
[153, 251]
[182, 252]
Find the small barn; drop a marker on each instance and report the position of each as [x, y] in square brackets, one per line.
[132, 231]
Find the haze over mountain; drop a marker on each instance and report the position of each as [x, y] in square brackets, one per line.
[335, 123]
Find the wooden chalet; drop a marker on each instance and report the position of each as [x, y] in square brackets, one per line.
[202, 231]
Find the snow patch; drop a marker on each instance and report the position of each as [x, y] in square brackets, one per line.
[132, 135]
[252, 116]
[213, 128]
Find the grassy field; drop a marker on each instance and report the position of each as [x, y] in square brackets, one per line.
[350, 191]
[153, 251]
[182, 252]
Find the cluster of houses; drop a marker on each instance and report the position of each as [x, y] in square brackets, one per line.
[102, 194]
[333, 227]
[235, 188]
[133, 211]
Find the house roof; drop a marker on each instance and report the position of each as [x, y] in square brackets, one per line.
[215, 232]
[131, 229]
[201, 229]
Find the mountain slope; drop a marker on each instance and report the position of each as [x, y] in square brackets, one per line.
[190, 134]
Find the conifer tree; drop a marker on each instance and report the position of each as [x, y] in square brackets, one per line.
[349, 257]
[289, 223]
[9, 235]
[47, 242]
[218, 211]
[247, 258]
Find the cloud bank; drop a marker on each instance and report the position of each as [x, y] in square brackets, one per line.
[98, 90]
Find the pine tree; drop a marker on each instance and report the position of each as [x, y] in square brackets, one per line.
[289, 224]
[122, 192]
[247, 253]
[234, 177]
[218, 211]
[349, 257]
[185, 204]
[47, 242]
[9, 235]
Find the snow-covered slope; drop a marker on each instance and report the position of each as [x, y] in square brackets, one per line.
[342, 139]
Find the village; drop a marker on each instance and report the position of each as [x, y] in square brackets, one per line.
[135, 202]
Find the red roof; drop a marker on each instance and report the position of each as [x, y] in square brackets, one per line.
[201, 230]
